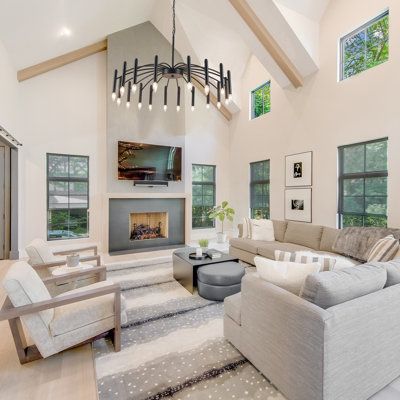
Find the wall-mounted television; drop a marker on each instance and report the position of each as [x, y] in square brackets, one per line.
[149, 162]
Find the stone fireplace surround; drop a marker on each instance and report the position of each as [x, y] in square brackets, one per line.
[122, 206]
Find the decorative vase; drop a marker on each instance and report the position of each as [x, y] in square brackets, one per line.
[221, 237]
[199, 252]
[73, 260]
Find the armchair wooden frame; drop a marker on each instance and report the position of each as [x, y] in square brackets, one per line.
[31, 353]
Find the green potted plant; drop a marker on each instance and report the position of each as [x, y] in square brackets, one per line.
[221, 213]
[203, 243]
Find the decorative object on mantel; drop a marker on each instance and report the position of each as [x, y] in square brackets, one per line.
[221, 212]
[140, 76]
[298, 169]
[298, 204]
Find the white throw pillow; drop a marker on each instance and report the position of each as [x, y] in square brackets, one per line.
[287, 275]
[246, 228]
[262, 229]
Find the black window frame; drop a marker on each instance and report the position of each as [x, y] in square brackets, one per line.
[66, 179]
[357, 175]
[343, 39]
[254, 182]
[205, 183]
[253, 116]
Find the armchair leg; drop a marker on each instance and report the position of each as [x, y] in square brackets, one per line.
[25, 353]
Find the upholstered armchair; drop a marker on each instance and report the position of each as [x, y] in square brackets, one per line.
[61, 322]
[43, 259]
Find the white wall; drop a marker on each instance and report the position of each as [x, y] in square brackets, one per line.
[321, 116]
[62, 111]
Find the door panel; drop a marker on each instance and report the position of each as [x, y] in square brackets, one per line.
[2, 201]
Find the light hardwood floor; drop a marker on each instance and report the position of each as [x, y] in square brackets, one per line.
[69, 375]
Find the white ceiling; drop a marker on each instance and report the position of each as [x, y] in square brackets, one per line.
[313, 9]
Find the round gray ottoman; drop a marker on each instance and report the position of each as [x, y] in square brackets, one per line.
[217, 281]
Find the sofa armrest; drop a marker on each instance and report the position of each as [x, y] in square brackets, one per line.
[283, 336]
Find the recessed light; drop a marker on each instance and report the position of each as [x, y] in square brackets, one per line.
[65, 32]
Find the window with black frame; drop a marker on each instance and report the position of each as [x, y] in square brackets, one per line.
[259, 189]
[67, 196]
[203, 194]
[261, 100]
[363, 184]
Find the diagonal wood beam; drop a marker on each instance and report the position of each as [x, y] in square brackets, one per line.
[62, 60]
[266, 39]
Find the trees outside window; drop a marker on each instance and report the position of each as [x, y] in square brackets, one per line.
[365, 47]
[203, 195]
[67, 196]
[259, 189]
[261, 100]
[363, 184]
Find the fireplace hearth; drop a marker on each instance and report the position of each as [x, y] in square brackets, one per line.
[148, 225]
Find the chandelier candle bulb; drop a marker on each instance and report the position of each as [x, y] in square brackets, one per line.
[165, 97]
[178, 101]
[141, 76]
[193, 90]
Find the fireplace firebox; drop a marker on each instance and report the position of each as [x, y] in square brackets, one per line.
[148, 225]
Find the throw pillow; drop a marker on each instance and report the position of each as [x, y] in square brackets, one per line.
[287, 275]
[384, 249]
[246, 234]
[262, 229]
[327, 263]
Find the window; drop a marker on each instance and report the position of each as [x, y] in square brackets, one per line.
[363, 184]
[67, 196]
[203, 192]
[259, 189]
[261, 100]
[365, 47]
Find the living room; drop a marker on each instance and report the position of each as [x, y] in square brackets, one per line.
[176, 175]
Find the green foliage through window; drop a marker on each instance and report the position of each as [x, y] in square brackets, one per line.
[203, 195]
[67, 196]
[261, 100]
[366, 47]
[363, 184]
[259, 189]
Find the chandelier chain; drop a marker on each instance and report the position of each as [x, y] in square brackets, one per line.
[173, 33]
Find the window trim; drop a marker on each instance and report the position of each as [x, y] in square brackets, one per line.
[66, 179]
[209, 183]
[252, 114]
[353, 33]
[356, 175]
[258, 182]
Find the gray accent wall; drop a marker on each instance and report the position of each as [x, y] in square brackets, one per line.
[143, 41]
[119, 223]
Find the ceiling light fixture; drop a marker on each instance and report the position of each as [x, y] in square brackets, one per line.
[140, 76]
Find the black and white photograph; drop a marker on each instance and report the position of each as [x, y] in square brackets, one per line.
[298, 169]
[298, 204]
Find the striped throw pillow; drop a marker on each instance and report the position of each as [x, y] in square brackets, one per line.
[326, 263]
[246, 228]
[384, 249]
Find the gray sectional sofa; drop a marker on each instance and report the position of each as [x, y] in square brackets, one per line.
[289, 236]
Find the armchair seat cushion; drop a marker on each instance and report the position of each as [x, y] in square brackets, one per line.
[76, 315]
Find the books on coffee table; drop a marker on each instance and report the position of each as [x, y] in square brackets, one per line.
[213, 254]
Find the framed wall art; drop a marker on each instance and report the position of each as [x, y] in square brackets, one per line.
[298, 169]
[298, 204]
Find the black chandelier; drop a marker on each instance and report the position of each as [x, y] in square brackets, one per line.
[140, 76]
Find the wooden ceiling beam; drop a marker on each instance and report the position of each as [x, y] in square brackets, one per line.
[269, 43]
[60, 61]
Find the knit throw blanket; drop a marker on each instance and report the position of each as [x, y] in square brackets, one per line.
[357, 242]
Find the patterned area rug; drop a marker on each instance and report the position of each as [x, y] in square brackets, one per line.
[172, 346]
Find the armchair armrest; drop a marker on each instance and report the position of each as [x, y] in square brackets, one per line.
[63, 262]
[67, 252]
[10, 312]
[100, 270]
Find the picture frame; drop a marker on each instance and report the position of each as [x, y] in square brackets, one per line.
[298, 169]
[298, 204]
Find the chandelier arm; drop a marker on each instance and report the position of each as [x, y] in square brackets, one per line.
[203, 84]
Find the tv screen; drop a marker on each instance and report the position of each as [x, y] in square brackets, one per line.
[149, 162]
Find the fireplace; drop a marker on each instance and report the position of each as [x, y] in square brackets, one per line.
[148, 225]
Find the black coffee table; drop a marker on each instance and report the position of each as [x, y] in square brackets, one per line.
[185, 268]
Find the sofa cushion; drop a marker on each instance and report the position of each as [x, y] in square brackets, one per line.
[267, 249]
[232, 306]
[393, 271]
[75, 315]
[247, 244]
[303, 234]
[330, 288]
[221, 274]
[328, 238]
[384, 249]
[24, 286]
[287, 275]
[279, 229]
